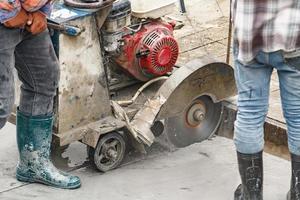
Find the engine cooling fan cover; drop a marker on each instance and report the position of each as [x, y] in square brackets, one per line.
[161, 52]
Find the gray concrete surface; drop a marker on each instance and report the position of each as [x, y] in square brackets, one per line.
[205, 171]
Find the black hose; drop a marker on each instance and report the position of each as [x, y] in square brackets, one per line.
[182, 6]
[100, 4]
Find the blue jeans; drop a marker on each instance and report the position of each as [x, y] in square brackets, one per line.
[253, 83]
[34, 58]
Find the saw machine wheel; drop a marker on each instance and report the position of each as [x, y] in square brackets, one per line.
[198, 122]
[109, 152]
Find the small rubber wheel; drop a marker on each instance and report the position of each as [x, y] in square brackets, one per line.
[109, 153]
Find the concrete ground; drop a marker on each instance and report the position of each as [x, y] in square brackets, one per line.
[202, 171]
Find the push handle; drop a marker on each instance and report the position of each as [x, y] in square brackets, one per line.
[66, 29]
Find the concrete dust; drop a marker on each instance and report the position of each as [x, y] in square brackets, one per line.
[70, 157]
[201, 171]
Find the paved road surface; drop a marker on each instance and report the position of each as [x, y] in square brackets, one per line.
[205, 171]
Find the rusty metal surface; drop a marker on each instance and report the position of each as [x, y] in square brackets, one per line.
[82, 98]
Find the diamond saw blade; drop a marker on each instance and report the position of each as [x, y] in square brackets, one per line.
[198, 122]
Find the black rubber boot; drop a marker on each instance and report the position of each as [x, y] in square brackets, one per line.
[294, 193]
[251, 171]
[34, 135]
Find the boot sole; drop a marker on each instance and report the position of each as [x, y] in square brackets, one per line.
[30, 180]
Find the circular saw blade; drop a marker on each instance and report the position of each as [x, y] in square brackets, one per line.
[182, 134]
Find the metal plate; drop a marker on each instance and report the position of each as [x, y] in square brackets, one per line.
[83, 98]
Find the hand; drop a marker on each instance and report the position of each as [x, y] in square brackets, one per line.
[18, 21]
[6, 6]
[37, 22]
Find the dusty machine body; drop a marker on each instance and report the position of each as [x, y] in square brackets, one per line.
[119, 83]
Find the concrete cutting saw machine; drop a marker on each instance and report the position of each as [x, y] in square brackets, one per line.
[120, 86]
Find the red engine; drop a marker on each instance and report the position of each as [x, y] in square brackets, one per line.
[150, 52]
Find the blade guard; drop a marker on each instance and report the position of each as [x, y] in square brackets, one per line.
[203, 76]
[197, 78]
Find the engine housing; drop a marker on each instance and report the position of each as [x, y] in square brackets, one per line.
[150, 52]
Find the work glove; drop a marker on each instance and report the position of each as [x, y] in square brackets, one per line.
[19, 21]
[37, 23]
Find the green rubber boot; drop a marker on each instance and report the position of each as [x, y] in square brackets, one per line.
[34, 135]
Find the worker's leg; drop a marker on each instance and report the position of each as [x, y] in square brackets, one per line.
[289, 79]
[38, 70]
[253, 82]
[8, 40]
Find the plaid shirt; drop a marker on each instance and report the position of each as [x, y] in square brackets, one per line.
[10, 8]
[267, 25]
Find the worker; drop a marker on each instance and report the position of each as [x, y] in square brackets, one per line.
[25, 44]
[266, 37]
